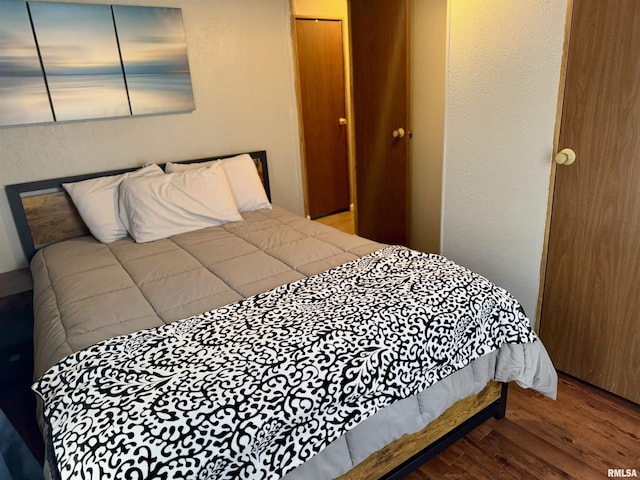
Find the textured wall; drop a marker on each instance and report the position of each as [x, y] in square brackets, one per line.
[503, 76]
[241, 63]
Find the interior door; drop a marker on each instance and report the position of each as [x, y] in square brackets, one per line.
[380, 69]
[322, 98]
[590, 319]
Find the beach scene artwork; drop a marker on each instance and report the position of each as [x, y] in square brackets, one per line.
[23, 93]
[95, 61]
[154, 58]
[80, 58]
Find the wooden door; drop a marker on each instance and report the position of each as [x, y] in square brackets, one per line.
[590, 319]
[322, 98]
[380, 65]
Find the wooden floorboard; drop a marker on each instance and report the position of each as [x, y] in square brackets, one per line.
[580, 436]
[342, 221]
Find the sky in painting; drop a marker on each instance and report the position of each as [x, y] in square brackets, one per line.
[151, 39]
[23, 95]
[76, 38]
[154, 57]
[18, 55]
[80, 56]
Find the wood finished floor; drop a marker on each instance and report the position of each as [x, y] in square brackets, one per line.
[342, 221]
[579, 436]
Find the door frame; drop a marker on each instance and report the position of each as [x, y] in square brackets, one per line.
[554, 166]
[346, 73]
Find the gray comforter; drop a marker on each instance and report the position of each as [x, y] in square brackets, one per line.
[86, 292]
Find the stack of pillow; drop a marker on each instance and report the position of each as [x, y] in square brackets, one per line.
[148, 204]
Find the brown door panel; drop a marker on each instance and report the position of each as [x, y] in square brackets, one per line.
[590, 321]
[379, 42]
[322, 94]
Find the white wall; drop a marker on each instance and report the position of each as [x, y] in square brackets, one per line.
[241, 62]
[503, 77]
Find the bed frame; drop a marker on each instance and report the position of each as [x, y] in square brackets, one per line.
[44, 214]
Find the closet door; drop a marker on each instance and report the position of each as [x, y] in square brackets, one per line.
[380, 63]
[322, 100]
[590, 320]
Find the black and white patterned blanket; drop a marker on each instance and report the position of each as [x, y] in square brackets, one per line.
[254, 389]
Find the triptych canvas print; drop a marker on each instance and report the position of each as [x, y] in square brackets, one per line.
[64, 61]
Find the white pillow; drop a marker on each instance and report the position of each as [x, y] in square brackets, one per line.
[181, 167]
[97, 202]
[243, 177]
[159, 207]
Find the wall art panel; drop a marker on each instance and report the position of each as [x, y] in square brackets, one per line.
[70, 61]
[23, 93]
[79, 52]
[154, 57]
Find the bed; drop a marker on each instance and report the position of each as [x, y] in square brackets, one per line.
[91, 298]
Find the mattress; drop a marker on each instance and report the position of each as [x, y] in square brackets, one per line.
[86, 292]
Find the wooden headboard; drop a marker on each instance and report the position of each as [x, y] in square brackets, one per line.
[44, 213]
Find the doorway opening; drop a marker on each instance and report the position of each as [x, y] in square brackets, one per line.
[353, 98]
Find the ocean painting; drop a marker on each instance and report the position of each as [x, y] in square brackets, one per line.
[73, 61]
[23, 93]
[81, 62]
[154, 57]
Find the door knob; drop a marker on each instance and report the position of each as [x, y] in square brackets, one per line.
[342, 121]
[566, 156]
[399, 133]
